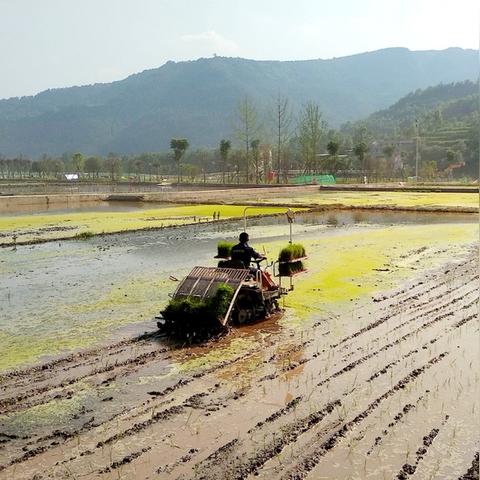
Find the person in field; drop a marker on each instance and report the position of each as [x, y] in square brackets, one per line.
[245, 253]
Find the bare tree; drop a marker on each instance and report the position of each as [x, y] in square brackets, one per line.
[388, 151]
[255, 144]
[203, 156]
[113, 166]
[282, 120]
[311, 129]
[3, 165]
[247, 127]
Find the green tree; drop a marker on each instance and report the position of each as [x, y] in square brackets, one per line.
[191, 171]
[78, 162]
[93, 165]
[429, 170]
[451, 156]
[388, 151]
[179, 147]
[225, 146]
[333, 147]
[360, 150]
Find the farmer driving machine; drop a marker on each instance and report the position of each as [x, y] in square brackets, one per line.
[209, 299]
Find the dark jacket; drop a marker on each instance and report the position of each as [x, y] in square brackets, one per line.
[245, 253]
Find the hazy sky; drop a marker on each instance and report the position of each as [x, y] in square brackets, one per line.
[57, 43]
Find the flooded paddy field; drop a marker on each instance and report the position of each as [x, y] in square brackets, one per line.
[409, 200]
[111, 217]
[80, 207]
[370, 372]
[30, 224]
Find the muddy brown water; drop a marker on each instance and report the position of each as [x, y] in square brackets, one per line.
[60, 276]
[387, 390]
[84, 207]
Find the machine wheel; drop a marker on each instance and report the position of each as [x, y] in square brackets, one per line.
[243, 316]
[246, 307]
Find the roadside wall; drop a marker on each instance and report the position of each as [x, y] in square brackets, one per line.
[195, 196]
[229, 195]
[8, 203]
[43, 201]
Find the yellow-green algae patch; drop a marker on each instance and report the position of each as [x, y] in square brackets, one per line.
[119, 305]
[215, 356]
[243, 372]
[343, 264]
[127, 296]
[350, 265]
[51, 226]
[391, 199]
[199, 358]
[25, 349]
[357, 263]
[60, 411]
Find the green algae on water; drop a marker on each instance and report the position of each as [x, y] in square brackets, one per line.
[56, 411]
[384, 199]
[54, 225]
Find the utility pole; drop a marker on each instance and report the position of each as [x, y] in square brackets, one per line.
[279, 143]
[416, 150]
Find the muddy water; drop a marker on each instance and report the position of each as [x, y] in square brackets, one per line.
[103, 206]
[80, 292]
[370, 373]
[387, 391]
[334, 216]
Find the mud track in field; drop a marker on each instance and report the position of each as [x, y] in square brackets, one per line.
[386, 391]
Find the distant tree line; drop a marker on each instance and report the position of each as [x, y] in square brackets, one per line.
[273, 144]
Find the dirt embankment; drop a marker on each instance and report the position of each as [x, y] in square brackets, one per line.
[385, 390]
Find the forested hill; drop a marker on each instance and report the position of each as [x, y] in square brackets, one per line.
[445, 117]
[454, 102]
[198, 99]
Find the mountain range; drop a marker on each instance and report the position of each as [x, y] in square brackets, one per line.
[198, 99]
